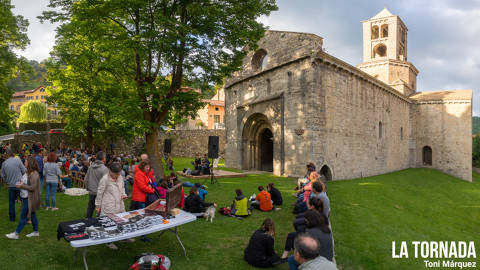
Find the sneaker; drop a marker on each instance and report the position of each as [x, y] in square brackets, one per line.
[112, 246]
[54, 209]
[131, 240]
[13, 235]
[276, 209]
[33, 234]
[47, 208]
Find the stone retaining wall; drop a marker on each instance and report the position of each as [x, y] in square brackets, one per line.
[185, 143]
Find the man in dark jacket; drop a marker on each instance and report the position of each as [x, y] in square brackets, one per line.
[95, 172]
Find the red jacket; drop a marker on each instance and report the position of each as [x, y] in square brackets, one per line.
[141, 186]
[151, 173]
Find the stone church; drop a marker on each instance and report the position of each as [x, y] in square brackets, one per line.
[293, 103]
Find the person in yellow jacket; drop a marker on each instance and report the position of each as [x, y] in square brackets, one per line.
[240, 205]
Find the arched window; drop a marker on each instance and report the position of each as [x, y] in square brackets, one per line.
[374, 32]
[380, 130]
[384, 30]
[427, 155]
[326, 173]
[260, 59]
[380, 51]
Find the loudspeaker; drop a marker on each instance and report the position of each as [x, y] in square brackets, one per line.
[167, 146]
[212, 146]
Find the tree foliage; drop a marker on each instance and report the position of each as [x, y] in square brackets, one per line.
[32, 111]
[13, 35]
[35, 76]
[164, 44]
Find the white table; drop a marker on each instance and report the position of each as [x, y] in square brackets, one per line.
[180, 219]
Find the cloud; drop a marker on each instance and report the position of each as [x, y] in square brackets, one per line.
[443, 35]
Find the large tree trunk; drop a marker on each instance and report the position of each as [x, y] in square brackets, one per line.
[89, 137]
[154, 153]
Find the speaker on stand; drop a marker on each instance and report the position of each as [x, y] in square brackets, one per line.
[213, 142]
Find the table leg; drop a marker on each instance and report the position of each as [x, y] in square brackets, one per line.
[84, 253]
[180, 241]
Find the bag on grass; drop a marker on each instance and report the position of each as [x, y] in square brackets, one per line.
[225, 211]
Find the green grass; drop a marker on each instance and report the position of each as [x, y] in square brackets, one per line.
[367, 214]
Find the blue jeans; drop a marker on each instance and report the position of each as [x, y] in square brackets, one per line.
[292, 264]
[41, 184]
[13, 194]
[23, 218]
[67, 182]
[51, 191]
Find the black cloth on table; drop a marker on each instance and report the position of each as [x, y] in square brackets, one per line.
[73, 230]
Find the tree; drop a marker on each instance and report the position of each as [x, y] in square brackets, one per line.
[184, 40]
[37, 75]
[32, 111]
[13, 32]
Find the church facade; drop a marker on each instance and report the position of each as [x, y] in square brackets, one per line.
[292, 103]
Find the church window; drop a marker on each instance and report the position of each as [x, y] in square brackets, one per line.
[380, 51]
[260, 60]
[384, 30]
[380, 129]
[403, 36]
[269, 87]
[401, 54]
[401, 133]
[427, 155]
[374, 32]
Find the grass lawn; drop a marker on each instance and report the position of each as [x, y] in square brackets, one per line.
[367, 214]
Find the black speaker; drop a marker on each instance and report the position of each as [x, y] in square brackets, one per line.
[212, 146]
[167, 146]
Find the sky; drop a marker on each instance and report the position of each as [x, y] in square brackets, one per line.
[443, 35]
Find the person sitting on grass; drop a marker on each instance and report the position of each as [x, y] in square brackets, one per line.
[308, 256]
[275, 193]
[299, 223]
[319, 191]
[201, 191]
[260, 250]
[240, 205]
[263, 200]
[318, 228]
[301, 205]
[194, 204]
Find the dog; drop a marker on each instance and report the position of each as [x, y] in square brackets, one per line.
[210, 213]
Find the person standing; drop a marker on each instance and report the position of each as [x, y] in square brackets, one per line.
[12, 171]
[52, 174]
[30, 199]
[95, 172]
[111, 194]
[39, 159]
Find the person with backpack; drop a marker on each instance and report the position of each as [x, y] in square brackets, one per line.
[240, 205]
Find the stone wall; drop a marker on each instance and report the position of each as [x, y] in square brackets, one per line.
[446, 128]
[185, 143]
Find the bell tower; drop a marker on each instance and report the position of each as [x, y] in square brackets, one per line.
[385, 52]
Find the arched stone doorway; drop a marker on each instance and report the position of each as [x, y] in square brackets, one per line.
[326, 172]
[427, 155]
[257, 144]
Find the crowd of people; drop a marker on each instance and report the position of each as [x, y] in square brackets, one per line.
[311, 240]
[108, 179]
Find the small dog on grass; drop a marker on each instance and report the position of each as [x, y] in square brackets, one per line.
[210, 213]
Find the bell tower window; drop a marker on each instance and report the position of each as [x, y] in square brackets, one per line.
[380, 51]
[374, 32]
[384, 30]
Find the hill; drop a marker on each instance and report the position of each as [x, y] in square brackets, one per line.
[36, 79]
[475, 125]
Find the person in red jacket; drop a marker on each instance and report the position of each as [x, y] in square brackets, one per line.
[141, 186]
[150, 172]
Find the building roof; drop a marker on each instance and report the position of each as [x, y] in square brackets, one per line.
[443, 95]
[213, 102]
[382, 14]
[19, 94]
